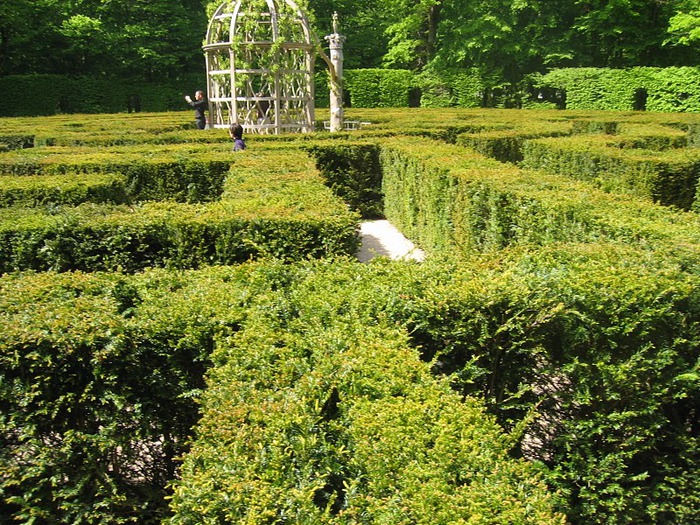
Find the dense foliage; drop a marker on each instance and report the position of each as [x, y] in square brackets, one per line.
[503, 40]
[642, 88]
[50, 94]
[542, 362]
[331, 418]
[91, 56]
[672, 89]
[143, 40]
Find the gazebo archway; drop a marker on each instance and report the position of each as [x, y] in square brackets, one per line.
[260, 67]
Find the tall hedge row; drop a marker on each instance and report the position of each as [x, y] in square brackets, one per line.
[209, 214]
[53, 94]
[669, 177]
[316, 404]
[371, 88]
[584, 343]
[671, 89]
[449, 198]
[353, 173]
[464, 89]
[654, 89]
[99, 379]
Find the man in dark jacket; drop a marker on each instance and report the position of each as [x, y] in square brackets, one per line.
[200, 109]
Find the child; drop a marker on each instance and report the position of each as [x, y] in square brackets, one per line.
[236, 132]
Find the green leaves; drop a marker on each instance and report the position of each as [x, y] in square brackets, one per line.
[376, 88]
[317, 411]
[685, 27]
[274, 205]
[554, 322]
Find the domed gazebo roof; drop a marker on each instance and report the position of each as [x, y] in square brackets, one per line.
[260, 64]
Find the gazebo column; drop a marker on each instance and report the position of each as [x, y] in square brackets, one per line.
[335, 42]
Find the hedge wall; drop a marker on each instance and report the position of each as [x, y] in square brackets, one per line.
[353, 173]
[52, 94]
[443, 89]
[673, 89]
[70, 189]
[318, 411]
[378, 88]
[316, 362]
[448, 198]
[590, 336]
[669, 177]
[574, 332]
[542, 361]
[654, 89]
[208, 214]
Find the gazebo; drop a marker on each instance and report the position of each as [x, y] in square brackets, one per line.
[260, 67]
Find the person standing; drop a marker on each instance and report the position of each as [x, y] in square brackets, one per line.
[200, 109]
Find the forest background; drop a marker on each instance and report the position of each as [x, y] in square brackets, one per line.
[158, 42]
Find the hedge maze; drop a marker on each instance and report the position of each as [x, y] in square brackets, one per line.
[187, 338]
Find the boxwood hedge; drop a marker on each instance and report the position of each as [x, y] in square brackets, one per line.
[541, 363]
[272, 203]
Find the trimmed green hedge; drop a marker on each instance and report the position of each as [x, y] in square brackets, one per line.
[458, 89]
[595, 88]
[589, 338]
[353, 173]
[282, 211]
[669, 177]
[450, 199]
[318, 412]
[100, 375]
[69, 189]
[317, 406]
[673, 89]
[178, 173]
[507, 145]
[53, 94]
[653, 89]
[566, 313]
[8, 142]
[378, 88]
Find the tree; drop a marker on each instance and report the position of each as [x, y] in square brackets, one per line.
[29, 36]
[154, 39]
[621, 33]
[502, 38]
[684, 27]
[146, 39]
[413, 35]
[86, 41]
[363, 22]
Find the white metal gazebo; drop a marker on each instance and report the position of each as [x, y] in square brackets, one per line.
[260, 67]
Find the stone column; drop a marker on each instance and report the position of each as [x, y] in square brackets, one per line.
[335, 42]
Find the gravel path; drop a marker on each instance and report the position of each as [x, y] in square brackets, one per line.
[381, 238]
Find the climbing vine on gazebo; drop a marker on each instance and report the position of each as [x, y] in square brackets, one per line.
[260, 66]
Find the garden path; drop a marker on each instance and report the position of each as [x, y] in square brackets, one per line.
[381, 238]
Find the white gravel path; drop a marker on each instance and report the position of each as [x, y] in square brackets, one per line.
[381, 238]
